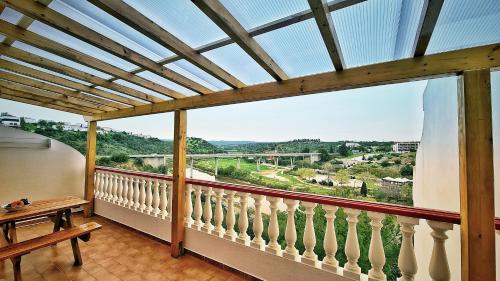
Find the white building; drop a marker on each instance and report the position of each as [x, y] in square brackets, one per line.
[405, 146]
[10, 121]
[352, 144]
[29, 120]
[390, 182]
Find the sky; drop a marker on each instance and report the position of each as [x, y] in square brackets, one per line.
[390, 112]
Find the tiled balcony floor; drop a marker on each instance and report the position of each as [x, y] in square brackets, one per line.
[113, 253]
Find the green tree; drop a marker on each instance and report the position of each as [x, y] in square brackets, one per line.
[406, 170]
[342, 177]
[366, 177]
[323, 155]
[329, 168]
[364, 189]
[306, 173]
[344, 150]
[385, 163]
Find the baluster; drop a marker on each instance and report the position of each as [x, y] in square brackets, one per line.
[189, 205]
[96, 184]
[125, 191]
[309, 239]
[149, 196]
[137, 194]
[330, 263]
[219, 215]
[156, 199]
[207, 212]
[351, 268]
[120, 190]
[101, 185]
[110, 187]
[114, 196]
[230, 219]
[258, 226]
[273, 246]
[107, 187]
[142, 198]
[197, 208]
[407, 260]
[104, 187]
[290, 251]
[243, 237]
[163, 200]
[131, 193]
[376, 252]
[439, 269]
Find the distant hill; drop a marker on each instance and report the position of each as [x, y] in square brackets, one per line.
[229, 143]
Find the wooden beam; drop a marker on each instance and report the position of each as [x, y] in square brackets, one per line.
[95, 101]
[179, 183]
[16, 33]
[225, 21]
[31, 72]
[430, 15]
[90, 168]
[125, 13]
[327, 29]
[411, 69]
[37, 103]
[69, 71]
[477, 208]
[67, 25]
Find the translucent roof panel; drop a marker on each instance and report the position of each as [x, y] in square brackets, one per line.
[2, 37]
[118, 93]
[237, 62]
[26, 76]
[377, 30]
[44, 70]
[100, 21]
[74, 43]
[167, 83]
[187, 69]
[181, 18]
[254, 13]
[11, 15]
[298, 49]
[464, 24]
[58, 59]
[139, 88]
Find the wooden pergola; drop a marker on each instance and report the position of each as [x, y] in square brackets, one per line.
[103, 99]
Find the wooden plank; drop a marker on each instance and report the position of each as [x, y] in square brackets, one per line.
[411, 69]
[37, 103]
[430, 15]
[225, 21]
[31, 72]
[69, 71]
[27, 246]
[327, 29]
[179, 183]
[29, 86]
[98, 102]
[47, 100]
[31, 38]
[122, 11]
[65, 24]
[90, 167]
[477, 208]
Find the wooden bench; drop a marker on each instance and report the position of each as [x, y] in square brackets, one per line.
[15, 251]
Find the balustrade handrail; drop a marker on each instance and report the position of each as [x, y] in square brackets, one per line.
[386, 208]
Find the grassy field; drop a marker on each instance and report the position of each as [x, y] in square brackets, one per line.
[209, 164]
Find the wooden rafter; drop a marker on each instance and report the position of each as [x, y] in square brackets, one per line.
[327, 29]
[42, 104]
[122, 11]
[442, 64]
[429, 18]
[69, 71]
[99, 103]
[51, 46]
[225, 21]
[37, 74]
[65, 24]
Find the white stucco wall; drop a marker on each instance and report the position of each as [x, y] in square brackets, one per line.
[436, 181]
[38, 173]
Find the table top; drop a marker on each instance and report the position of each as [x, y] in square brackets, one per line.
[42, 207]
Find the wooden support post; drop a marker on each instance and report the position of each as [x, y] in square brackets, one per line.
[90, 168]
[476, 176]
[179, 183]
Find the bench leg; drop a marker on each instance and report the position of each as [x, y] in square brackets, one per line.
[16, 262]
[74, 241]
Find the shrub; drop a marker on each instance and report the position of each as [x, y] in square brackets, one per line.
[119, 157]
[104, 161]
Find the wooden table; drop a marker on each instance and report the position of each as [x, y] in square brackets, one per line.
[56, 207]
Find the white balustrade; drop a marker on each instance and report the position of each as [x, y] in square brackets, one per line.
[100, 186]
[376, 252]
[97, 181]
[142, 198]
[351, 268]
[407, 260]
[219, 215]
[309, 257]
[207, 212]
[137, 194]
[330, 263]
[156, 198]
[149, 196]
[125, 191]
[189, 205]
[197, 208]
[104, 195]
[243, 237]
[230, 218]
[163, 199]
[258, 226]
[273, 246]
[114, 196]
[439, 269]
[290, 251]
[120, 190]
[132, 199]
